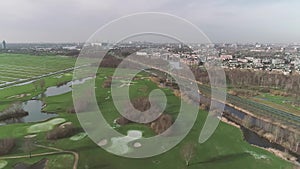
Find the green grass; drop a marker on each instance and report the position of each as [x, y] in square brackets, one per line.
[3, 163]
[225, 149]
[16, 66]
[78, 136]
[279, 102]
[61, 161]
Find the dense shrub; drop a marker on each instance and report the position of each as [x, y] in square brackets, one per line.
[62, 131]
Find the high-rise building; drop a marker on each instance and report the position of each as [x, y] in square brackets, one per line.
[3, 44]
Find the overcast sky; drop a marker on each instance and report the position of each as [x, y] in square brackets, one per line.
[273, 21]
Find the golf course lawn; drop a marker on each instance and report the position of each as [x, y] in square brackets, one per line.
[226, 149]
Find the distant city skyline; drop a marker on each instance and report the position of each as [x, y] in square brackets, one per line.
[223, 21]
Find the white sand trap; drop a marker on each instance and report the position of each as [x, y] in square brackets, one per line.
[66, 123]
[45, 126]
[3, 163]
[78, 136]
[135, 134]
[103, 142]
[30, 136]
[137, 145]
[120, 144]
[257, 156]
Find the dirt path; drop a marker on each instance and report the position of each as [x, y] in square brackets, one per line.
[56, 151]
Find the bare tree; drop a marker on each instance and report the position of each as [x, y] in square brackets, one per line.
[28, 145]
[276, 131]
[291, 140]
[42, 83]
[247, 121]
[297, 140]
[187, 152]
[35, 84]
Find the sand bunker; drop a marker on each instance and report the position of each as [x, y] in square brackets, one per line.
[120, 144]
[103, 142]
[137, 145]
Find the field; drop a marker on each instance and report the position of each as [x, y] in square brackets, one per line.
[21, 68]
[280, 102]
[225, 149]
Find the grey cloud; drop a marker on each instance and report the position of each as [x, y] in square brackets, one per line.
[222, 20]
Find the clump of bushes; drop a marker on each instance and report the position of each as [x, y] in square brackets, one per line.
[161, 124]
[14, 111]
[107, 83]
[279, 93]
[71, 110]
[62, 131]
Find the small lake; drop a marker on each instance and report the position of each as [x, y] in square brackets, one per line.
[58, 90]
[34, 107]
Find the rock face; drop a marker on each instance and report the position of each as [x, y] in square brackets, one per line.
[6, 145]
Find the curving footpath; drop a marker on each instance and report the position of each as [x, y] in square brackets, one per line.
[56, 151]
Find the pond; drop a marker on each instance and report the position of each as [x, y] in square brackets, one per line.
[58, 90]
[34, 107]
